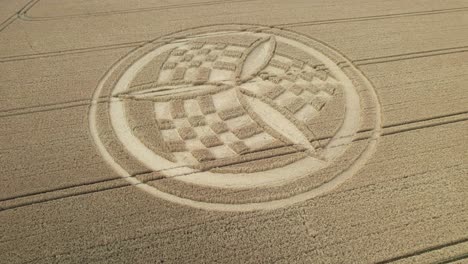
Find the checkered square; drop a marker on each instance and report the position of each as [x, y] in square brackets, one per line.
[297, 87]
[193, 62]
[200, 130]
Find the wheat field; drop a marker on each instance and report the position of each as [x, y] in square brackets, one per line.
[244, 131]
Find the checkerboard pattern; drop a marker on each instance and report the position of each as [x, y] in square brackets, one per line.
[296, 87]
[199, 62]
[209, 127]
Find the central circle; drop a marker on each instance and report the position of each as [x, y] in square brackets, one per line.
[240, 109]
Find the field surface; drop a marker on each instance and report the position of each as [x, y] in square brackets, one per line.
[244, 131]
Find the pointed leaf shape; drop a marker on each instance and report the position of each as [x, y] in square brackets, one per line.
[256, 58]
[182, 91]
[276, 120]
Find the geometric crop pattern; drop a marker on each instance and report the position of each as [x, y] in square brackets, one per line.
[215, 125]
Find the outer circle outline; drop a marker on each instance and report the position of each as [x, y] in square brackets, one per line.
[244, 207]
